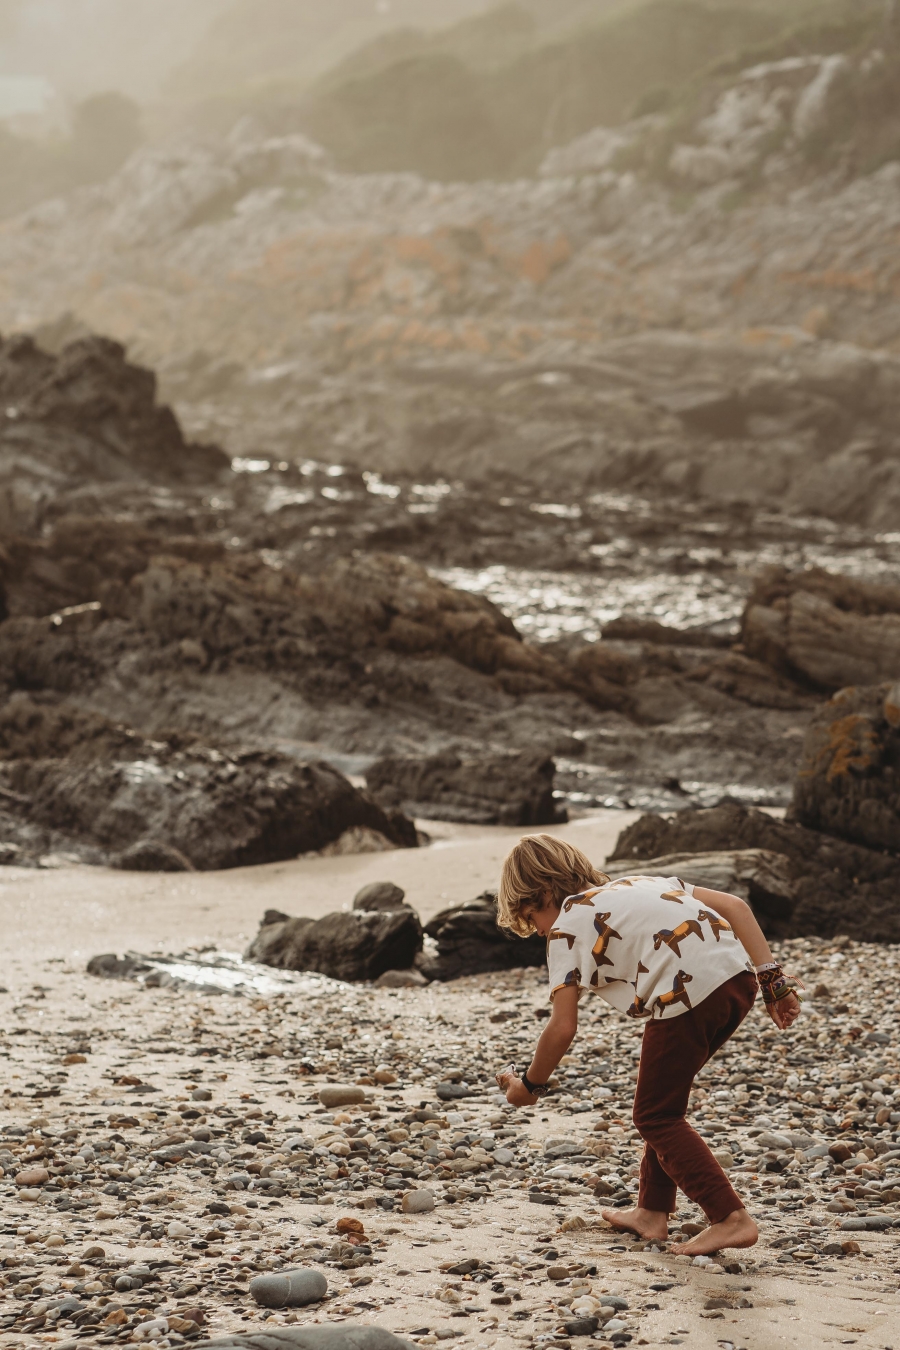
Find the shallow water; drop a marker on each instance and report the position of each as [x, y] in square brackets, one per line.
[218, 972]
[658, 582]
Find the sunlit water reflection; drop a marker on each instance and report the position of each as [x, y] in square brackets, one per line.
[548, 605]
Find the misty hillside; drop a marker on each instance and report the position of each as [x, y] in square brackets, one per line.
[490, 95]
[256, 41]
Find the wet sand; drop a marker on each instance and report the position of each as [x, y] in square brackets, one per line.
[80, 911]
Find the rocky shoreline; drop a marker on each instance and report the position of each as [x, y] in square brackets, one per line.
[166, 1148]
[174, 693]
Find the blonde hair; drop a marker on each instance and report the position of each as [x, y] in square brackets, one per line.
[538, 866]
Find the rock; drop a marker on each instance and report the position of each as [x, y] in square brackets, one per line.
[32, 1176]
[769, 1139]
[87, 414]
[152, 855]
[401, 979]
[469, 941]
[511, 789]
[342, 1096]
[831, 630]
[848, 781]
[201, 1094]
[289, 1288]
[379, 895]
[343, 1337]
[112, 967]
[177, 1229]
[214, 810]
[819, 868]
[724, 1157]
[418, 1202]
[582, 1326]
[354, 945]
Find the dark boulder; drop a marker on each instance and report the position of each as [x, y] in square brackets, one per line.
[85, 415]
[196, 808]
[380, 895]
[849, 778]
[352, 945]
[828, 630]
[837, 886]
[469, 942]
[505, 789]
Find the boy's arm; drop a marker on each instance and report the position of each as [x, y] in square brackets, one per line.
[751, 937]
[555, 1040]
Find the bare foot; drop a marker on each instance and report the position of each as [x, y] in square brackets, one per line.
[738, 1230]
[651, 1224]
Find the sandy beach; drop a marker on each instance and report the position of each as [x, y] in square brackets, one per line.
[116, 1070]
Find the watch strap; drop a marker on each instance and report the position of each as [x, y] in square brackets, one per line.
[536, 1089]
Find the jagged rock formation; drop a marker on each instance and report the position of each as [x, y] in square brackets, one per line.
[514, 789]
[84, 416]
[829, 630]
[74, 784]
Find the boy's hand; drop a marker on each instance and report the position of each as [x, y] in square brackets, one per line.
[516, 1092]
[785, 1012]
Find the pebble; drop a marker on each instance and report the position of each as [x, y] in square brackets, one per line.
[418, 1202]
[32, 1176]
[289, 1289]
[208, 1182]
[342, 1096]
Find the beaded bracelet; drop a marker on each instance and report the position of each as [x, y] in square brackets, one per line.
[775, 985]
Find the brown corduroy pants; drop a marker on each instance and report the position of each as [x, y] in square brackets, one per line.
[672, 1054]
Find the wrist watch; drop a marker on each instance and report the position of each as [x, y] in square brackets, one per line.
[536, 1089]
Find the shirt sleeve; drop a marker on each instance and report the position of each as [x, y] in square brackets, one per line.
[564, 961]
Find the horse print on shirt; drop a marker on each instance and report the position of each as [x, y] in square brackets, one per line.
[673, 936]
[677, 995]
[604, 935]
[717, 925]
[586, 899]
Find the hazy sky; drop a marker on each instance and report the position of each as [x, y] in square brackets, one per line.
[84, 46]
[87, 45]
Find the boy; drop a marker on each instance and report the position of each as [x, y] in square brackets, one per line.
[684, 960]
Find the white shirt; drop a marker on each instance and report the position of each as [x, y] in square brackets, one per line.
[645, 944]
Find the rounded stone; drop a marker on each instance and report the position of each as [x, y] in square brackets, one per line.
[342, 1095]
[401, 979]
[418, 1202]
[32, 1176]
[380, 895]
[289, 1288]
[582, 1326]
[201, 1094]
[177, 1229]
